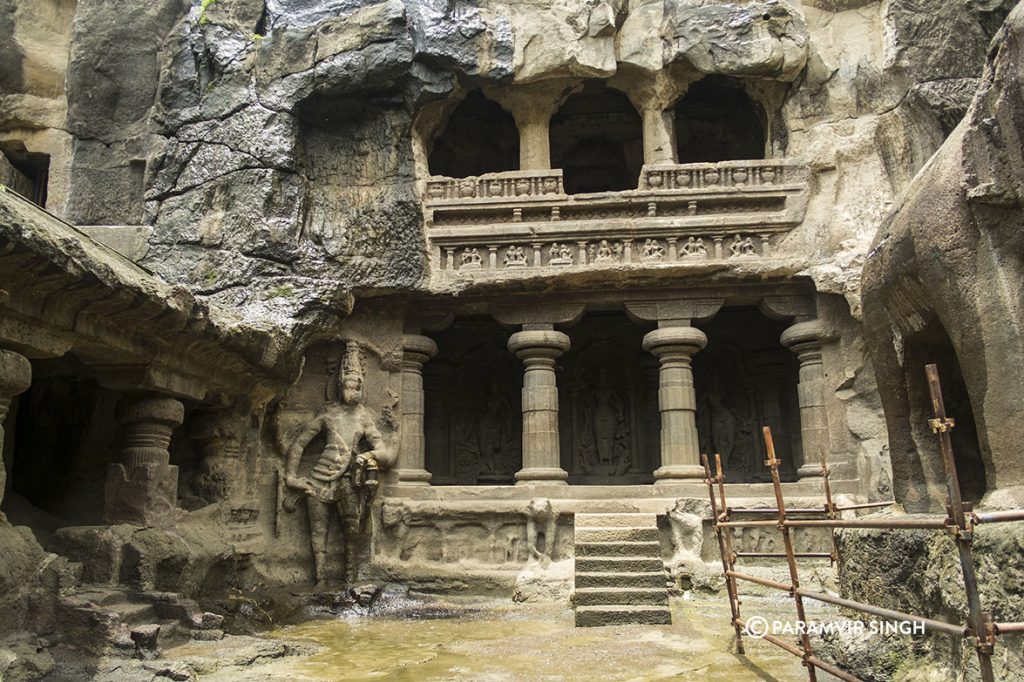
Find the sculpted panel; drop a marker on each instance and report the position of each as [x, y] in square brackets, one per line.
[335, 446]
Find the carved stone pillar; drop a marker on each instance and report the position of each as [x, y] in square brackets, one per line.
[675, 347]
[538, 349]
[15, 377]
[804, 339]
[532, 106]
[416, 350]
[142, 488]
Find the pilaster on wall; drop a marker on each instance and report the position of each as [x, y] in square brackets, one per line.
[416, 351]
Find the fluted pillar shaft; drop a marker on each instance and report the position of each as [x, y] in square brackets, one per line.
[675, 347]
[416, 351]
[804, 339]
[142, 488]
[538, 349]
[15, 378]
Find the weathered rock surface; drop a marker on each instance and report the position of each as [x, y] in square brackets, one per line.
[944, 273]
[919, 572]
[229, 122]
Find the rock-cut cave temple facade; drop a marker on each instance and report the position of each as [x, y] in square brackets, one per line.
[528, 260]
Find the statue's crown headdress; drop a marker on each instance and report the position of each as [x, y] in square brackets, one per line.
[353, 362]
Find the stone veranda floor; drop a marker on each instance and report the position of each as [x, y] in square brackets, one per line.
[489, 640]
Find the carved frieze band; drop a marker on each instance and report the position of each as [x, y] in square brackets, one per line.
[603, 252]
[508, 185]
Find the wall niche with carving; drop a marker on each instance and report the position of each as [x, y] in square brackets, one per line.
[473, 410]
[608, 403]
[745, 379]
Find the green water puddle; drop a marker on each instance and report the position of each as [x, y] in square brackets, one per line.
[504, 642]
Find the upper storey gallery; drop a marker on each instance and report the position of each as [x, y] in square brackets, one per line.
[595, 172]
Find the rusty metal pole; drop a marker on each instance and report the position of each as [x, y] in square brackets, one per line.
[787, 542]
[830, 507]
[979, 621]
[725, 551]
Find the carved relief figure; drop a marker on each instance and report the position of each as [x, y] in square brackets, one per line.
[604, 252]
[515, 257]
[561, 254]
[343, 475]
[471, 259]
[602, 429]
[742, 247]
[541, 529]
[694, 247]
[492, 429]
[609, 420]
[652, 250]
[687, 526]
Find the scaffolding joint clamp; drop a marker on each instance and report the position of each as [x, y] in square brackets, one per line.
[943, 425]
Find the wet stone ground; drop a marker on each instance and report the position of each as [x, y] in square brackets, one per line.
[497, 641]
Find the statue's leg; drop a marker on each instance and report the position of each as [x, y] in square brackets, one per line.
[531, 538]
[319, 527]
[349, 511]
[550, 529]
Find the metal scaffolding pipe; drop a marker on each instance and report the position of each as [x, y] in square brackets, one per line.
[782, 555]
[888, 614]
[887, 522]
[1000, 516]
[759, 580]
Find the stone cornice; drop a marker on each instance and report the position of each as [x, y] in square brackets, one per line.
[62, 291]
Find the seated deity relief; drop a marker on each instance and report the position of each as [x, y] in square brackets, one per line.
[334, 456]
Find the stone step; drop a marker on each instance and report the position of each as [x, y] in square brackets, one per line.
[593, 616]
[612, 520]
[618, 548]
[616, 534]
[618, 564]
[619, 596]
[652, 579]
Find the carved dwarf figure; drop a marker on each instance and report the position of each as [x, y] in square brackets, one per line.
[342, 477]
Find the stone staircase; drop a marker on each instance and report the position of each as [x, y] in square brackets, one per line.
[620, 577]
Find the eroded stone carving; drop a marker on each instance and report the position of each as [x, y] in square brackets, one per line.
[652, 251]
[560, 254]
[343, 475]
[471, 259]
[694, 248]
[541, 529]
[741, 247]
[515, 257]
